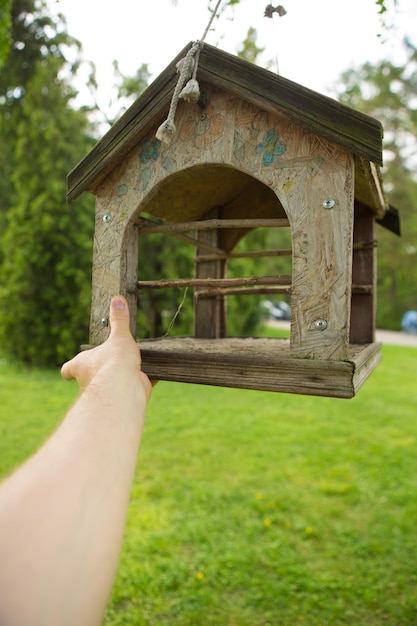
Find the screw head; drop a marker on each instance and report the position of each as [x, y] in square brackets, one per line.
[106, 218]
[329, 203]
[320, 324]
[105, 321]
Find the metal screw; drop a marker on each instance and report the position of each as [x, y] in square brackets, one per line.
[106, 218]
[105, 321]
[329, 203]
[320, 324]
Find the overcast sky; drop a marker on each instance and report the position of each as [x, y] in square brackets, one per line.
[313, 43]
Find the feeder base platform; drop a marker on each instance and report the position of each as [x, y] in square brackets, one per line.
[262, 363]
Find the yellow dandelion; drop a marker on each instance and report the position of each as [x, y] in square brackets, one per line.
[199, 575]
[309, 530]
[259, 496]
[267, 522]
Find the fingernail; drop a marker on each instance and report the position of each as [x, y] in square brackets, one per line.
[118, 304]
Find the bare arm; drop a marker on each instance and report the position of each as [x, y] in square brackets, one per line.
[62, 514]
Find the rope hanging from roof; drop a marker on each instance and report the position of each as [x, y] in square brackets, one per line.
[190, 92]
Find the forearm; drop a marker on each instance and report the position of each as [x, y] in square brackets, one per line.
[62, 514]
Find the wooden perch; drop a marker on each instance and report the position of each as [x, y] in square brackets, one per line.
[198, 244]
[243, 291]
[214, 282]
[362, 289]
[212, 224]
[202, 258]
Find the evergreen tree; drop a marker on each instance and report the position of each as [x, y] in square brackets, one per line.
[387, 92]
[45, 244]
[5, 21]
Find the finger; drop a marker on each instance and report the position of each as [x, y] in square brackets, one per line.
[119, 315]
[66, 371]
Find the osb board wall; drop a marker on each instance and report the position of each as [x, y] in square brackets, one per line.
[302, 169]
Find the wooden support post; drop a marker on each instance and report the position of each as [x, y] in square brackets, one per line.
[362, 321]
[130, 271]
[321, 212]
[114, 265]
[210, 313]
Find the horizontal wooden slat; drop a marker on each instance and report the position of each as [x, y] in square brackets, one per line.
[362, 289]
[214, 282]
[243, 291]
[201, 225]
[365, 245]
[243, 255]
[202, 245]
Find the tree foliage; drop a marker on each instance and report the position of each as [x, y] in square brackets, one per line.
[5, 22]
[249, 49]
[388, 92]
[45, 244]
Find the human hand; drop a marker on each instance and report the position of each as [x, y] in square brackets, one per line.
[118, 355]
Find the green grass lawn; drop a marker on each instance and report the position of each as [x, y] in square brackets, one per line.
[253, 508]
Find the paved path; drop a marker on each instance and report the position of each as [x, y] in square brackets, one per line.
[396, 338]
[393, 337]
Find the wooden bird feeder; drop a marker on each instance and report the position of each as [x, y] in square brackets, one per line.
[256, 150]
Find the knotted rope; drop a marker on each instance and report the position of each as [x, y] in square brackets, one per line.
[187, 69]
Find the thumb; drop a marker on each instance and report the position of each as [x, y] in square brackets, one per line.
[119, 316]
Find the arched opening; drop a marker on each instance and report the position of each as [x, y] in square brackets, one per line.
[215, 255]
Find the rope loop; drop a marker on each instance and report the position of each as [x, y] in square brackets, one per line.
[186, 68]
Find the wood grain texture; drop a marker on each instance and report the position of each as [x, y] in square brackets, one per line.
[211, 224]
[114, 263]
[264, 364]
[210, 318]
[322, 251]
[207, 280]
[357, 132]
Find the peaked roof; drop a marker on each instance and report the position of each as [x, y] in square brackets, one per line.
[360, 134]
